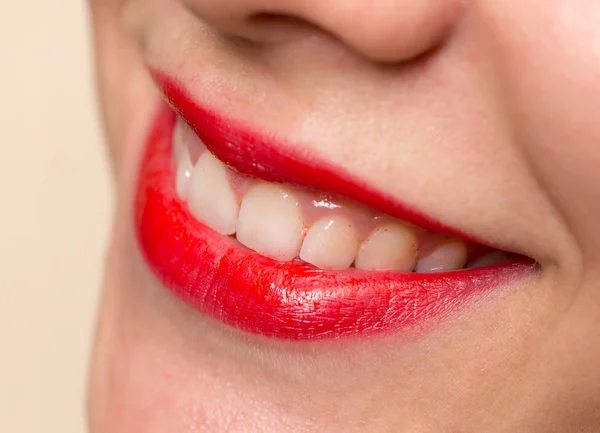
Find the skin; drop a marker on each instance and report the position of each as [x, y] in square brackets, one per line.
[481, 113]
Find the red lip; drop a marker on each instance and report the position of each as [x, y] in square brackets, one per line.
[219, 277]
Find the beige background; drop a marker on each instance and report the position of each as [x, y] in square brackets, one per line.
[54, 213]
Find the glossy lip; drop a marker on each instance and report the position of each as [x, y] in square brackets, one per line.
[259, 156]
[294, 301]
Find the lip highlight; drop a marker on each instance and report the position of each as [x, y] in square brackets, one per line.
[295, 301]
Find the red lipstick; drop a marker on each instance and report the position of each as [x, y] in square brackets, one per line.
[220, 277]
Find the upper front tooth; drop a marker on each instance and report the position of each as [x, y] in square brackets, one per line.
[390, 247]
[331, 243]
[446, 257]
[210, 198]
[270, 222]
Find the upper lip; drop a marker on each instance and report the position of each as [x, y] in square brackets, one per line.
[258, 294]
[253, 153]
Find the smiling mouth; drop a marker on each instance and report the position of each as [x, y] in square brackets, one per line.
[280, 243]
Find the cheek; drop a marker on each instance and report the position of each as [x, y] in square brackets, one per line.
[549, 62]
[126, 93]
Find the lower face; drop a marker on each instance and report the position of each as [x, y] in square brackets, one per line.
[319, 232]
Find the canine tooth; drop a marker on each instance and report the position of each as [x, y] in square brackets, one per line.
[210, 197]
[331, 243]
[184, 137]
[270, 222]
[389, 247]
[489, 259]
[178, 145]
[446, 257]
[184, 173]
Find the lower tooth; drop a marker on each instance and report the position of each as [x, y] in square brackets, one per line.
[390, 247]
[489, 259]
[331, 243]
[210, 197]
[446, 257]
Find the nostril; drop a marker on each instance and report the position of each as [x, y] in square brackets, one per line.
[270, 18]
[391, 31]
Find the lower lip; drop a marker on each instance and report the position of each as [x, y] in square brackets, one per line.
[293, 301]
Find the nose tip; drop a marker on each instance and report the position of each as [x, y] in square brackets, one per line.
[388, 31]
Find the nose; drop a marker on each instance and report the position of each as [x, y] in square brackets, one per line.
[381, 30]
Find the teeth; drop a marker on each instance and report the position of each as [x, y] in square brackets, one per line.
[489, 259]
[178, 144]
[446, 257]
[211, 198]
[184, 137]
[270, 222]
[271, 218]
[331, 243]
[390, 247]
[184, 173]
